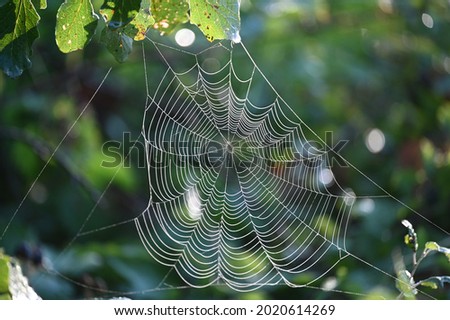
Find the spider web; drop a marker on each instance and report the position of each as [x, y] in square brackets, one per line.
[239, 188]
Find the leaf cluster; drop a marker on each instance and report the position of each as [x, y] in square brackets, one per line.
[121, 22]
[406, 283]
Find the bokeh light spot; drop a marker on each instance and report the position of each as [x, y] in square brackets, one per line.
[375, 140]
[185, 37]
[427, 20]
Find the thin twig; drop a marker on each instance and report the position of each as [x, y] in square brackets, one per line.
[417, 263]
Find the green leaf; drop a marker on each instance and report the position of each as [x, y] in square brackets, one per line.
[75, 25]
[433, 246]
[169, 14]
[218, 19]
[18, 30]
[141, 22]
[118, 13]
[5, 296]
[4, 277]
[126, 21]
[132, 17]
[118, 43]
[405, 284]
[41, 4]
[411, 237]
[435, 282]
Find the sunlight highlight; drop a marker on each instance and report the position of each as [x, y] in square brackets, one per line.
[194, 205]
[375, 140]
[366, 206]
[427, 20]
[350, 197]
[185, 37]
[326, 177]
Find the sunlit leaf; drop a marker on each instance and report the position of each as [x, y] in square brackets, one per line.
[75, 25]
[18, 285]
[407, 240]
[141, 23]
[169, 14]
[435, 282]
[218, 19]
[407, 224]
[411, 237]
[405, 284]
[18, 30]
[4, 277]
[433, 246]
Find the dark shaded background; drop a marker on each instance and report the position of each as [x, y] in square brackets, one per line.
[348, 66]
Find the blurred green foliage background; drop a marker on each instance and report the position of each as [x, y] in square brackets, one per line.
[346, 66]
